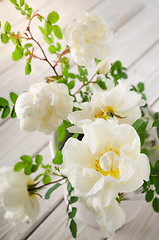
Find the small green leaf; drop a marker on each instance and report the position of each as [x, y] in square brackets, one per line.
[19, 166]
[73, 213]
[73, 200]
[27, 169]
[3, 102]
[5, 112]
[144, 150]
[26, 6]
[71, 84]
[156, 167]
[53, 17]
[137, 124]
[73, 228]
[69, 187]
[149, 195]
[18, 53]
[141, 86]
[13, 113]
[48, 40]
[34, 168]
[13, 97]
[37, 177]
[48, 27]
[4, 38]
[156, 123]
[27, 68]
[21, 2]
[58, 158]
[30, 10]
[46, 179]
[42, 30]
[52, 49]
[48, 193]
[26, 159]
[72, 75]
[75, 135]
[58, 47]
[156, 115]
[38, 159]
[7, 27]
[28, 45]
[57, 31]
[13, 1]
[101, 84]
[155, 204]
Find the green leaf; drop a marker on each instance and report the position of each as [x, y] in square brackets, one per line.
[73, 213]
[72, 75]
[58, 158]
[46, 179]
[141, 86]
[156, 123]
[7, 27]
[38, 159]
[34, 168]
[137, 124]
[26, 159]
[4, 38]
[21, 2]
[144, 150]
[13, 97]
[30, 10]
[58, 47]
[18, 53]
[71, 84]
[28, 45]
[75, 135]
[42, 30]
[37, 177]
[53, 17]
[27, 169]
[156, 167]
[13, 1]
[26, 6]
[155, 204]
[48, 40]
[19, 166]
[13, 113]
[156, 115]
[3, 102]
[57, 31]
[5, 112]
[158, 132]
[48, 27]
[149, 195]
[62, 131]
[52, 49]
[73, 228]
[101, 84]
[27, 68]
[69, 187]
[73, 200]
[48, 193]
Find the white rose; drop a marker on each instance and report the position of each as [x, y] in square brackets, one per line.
[103, 67]
[115, 103]
[109, 218]
[107, 161]
[44, 107]
[89, 37]
[15, 198]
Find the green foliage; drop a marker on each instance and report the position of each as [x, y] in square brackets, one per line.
[53, 17]
[73, 200]
[13, 97]
[73, 228]
[48, 28]
[155, 204]
[62, 133]
[49, 192]
[46, 179]
[144, 150]
[58, 159]
[117, 71]
[38, 159]
[140, 126]
[4, 106]
[18, 53]
[57, 31]
[27, 68]
[101, 83]
[139, 89]
[7, 27]
[4, 38]
[26, 10]
[52, 49]
[149, 195]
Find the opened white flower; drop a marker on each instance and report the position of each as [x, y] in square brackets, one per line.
[107, 161]
[115, 103]
[89, 37]
[103, 67]
[44, 107]
[15, 197]
[109, 218]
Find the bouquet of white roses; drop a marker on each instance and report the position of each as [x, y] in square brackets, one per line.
[106, 139]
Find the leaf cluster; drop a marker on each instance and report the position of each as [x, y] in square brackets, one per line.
[151, 187]
[23, 7]
[117, 71]
[71, 211]
[5, 108]
[139, 89]
[140, 126]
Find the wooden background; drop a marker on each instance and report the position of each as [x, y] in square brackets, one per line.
[136, 33]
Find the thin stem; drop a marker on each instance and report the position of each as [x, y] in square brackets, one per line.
[85, 84]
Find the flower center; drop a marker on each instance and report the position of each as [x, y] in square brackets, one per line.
[108, 163]
[104, 113]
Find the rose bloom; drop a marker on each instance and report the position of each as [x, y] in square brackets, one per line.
[44, 107]
[106, 162]
[15, 197]
[109, 218]
[89, 37]
[114, 103]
